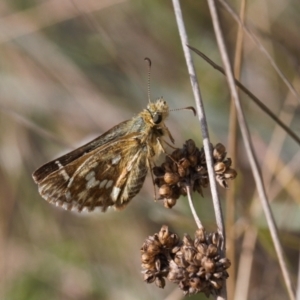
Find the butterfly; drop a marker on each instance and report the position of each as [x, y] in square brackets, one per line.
[110, 170]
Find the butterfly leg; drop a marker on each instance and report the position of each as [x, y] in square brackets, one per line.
[152, 177]
[169, 134]
[163, 149]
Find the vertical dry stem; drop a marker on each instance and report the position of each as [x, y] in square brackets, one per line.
[250, 150]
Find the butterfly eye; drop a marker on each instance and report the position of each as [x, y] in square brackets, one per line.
[157, 118]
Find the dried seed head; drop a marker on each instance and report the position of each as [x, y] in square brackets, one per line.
[195, 265]
[187, 166]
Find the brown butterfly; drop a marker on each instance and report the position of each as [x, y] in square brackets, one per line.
[110, 170]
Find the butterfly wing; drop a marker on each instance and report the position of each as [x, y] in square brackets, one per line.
[118, 131]
[108, 175]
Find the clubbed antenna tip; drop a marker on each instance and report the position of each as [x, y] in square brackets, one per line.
[148, 60]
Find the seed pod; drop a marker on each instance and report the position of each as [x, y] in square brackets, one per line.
[169, 202]
[225, 262]
[184, 163]
[158, 264]
[197, 259]
[182, 171]
[167, 166]
[195, 283]
[177, 154]
[179, 260]
[163, 234]
[201, 273]
[171, 178]
[190, 146]
[187, 240]
[152, 248]
[193, 159]
[221, 181]
[188, 254]
[215, 238]
[212, 250]
[159, 181]
[181, 189]
[202, 248]
[208, 264]
[192, 269]
[147, 258]
[158, 171]
[165, 191]
[173, 240]
[200, 235]
[219, 167]
[218, 275]
[149, 267]
[160, 282]
[217, 284]
[176, 248]
[230, 174]
[149, 278]
[219, 152]
[227, 162]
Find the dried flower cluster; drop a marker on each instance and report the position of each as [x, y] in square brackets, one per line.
[195, 265]
[187, 167]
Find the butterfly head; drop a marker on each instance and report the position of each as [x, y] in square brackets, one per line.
[158, 111]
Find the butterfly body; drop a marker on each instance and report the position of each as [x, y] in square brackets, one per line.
[110, 170]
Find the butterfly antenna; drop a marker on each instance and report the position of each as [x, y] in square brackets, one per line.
[188, 108]
[148, 60]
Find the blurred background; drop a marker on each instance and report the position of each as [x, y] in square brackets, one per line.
[72, 69]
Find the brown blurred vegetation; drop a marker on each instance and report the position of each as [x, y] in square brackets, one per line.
[72, 69]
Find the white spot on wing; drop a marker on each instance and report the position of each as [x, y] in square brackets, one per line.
[60, 166]
[103, 183]
[116, 160]
[115, 193]
[68, 195]
[62, 171]
[89, 175]
[92, 182]
[109, 184]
